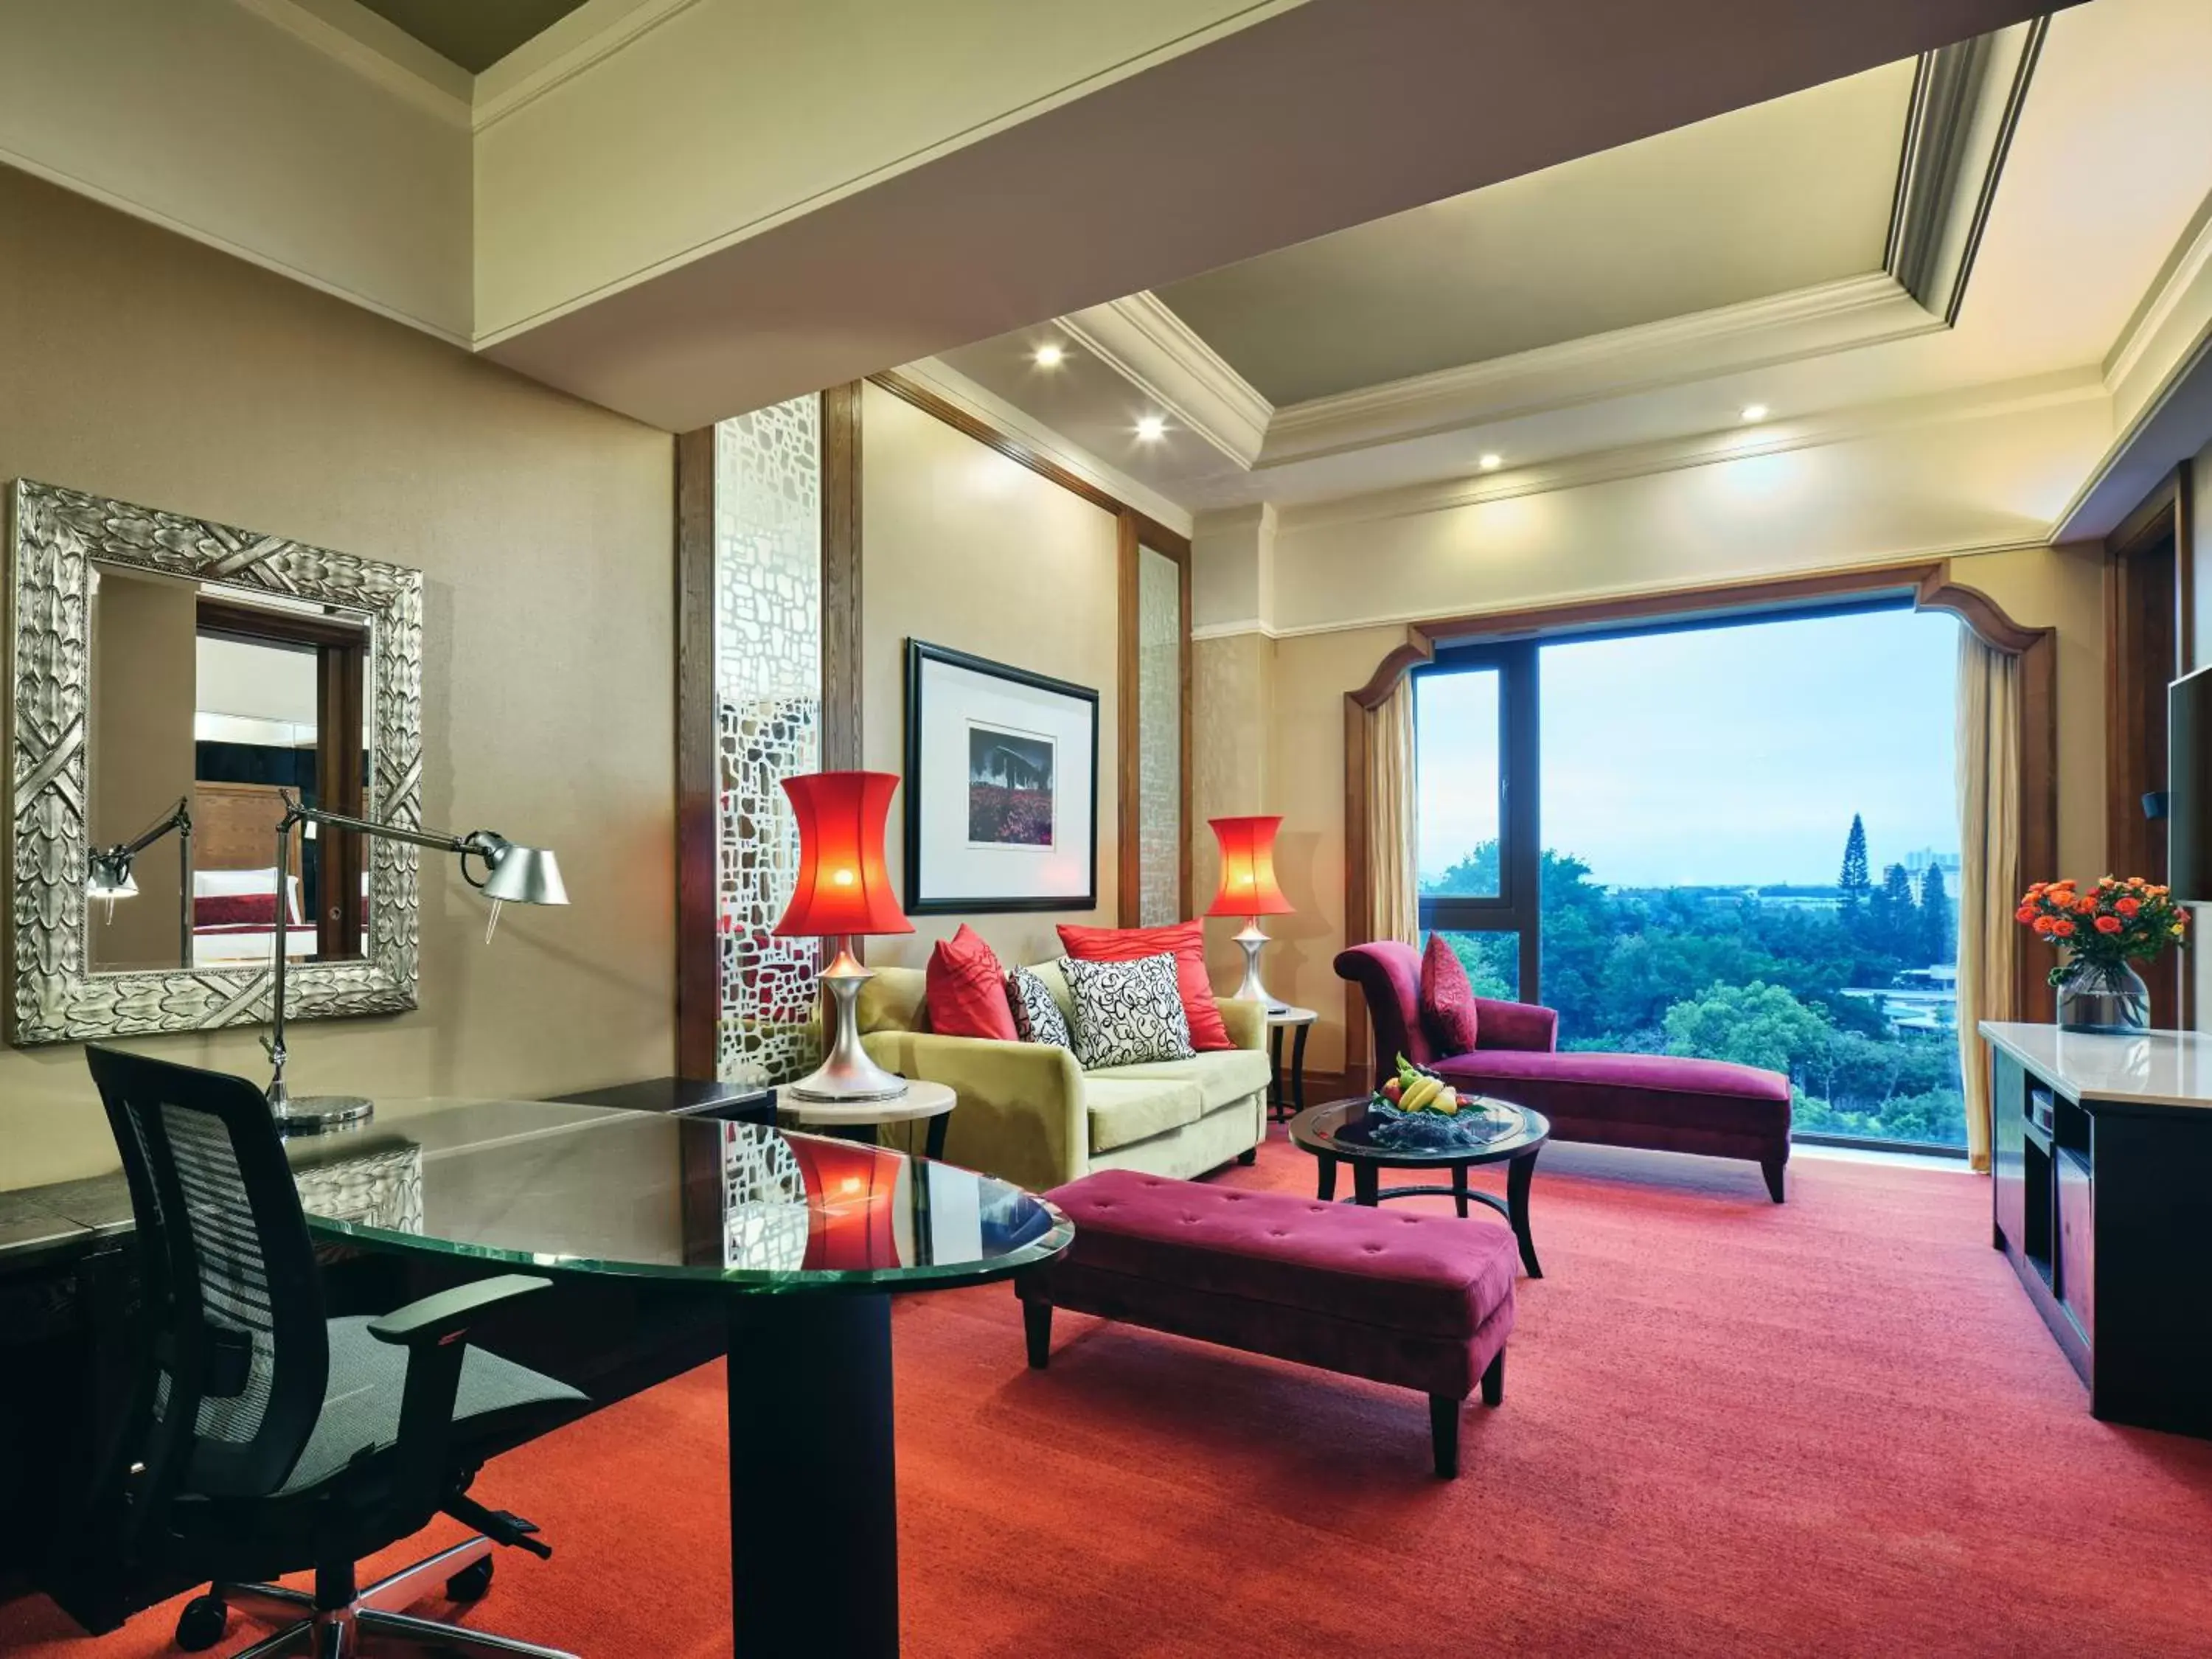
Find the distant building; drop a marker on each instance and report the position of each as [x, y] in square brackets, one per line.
[1915, 864]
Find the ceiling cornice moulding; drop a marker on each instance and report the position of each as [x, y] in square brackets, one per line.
[1689, 594]
[379, 51]
[1158, 353]
[592, 33]
[958, 390]
[2184, 269]
[2081, 385]
[1853, 311]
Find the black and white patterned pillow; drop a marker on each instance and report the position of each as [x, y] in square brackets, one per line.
[1038, 1017]
[1128, 1012]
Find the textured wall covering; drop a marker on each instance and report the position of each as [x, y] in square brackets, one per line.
[1159, 738]
[768, 691]
[141, 366]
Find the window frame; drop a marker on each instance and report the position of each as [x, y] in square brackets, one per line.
[1517, 906]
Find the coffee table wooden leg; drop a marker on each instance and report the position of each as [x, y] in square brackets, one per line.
[933, 1145]
[1366, 1184]
[1517, 1175]
[1459, 1189]
[1327, 1190]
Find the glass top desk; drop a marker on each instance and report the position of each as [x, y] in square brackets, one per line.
[803, 1240]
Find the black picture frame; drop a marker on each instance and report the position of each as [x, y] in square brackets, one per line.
[920, 653]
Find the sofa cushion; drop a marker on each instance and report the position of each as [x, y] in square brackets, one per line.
[1223, 1077]
[1420, 1275]
[1186, 941]
[1669, 1090]
[967, 989]
[1038, 1017]
[1128, 1012]
[1126, 1110]
[1448, 1011]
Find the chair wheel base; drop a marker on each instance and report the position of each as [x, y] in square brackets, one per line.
[203, 1623]
[471, 1581]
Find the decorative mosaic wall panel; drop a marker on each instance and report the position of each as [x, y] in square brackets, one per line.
[1159, 731]
[767, 688]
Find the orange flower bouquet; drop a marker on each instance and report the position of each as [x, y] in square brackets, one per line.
[2103, 929]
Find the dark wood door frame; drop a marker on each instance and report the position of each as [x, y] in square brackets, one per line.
[340, 645]
[1931, 588]
[2149, 604]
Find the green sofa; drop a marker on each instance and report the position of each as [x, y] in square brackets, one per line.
[1028, 1114]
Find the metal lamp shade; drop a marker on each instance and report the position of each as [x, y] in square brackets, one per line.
[525, 875]
[111, 878]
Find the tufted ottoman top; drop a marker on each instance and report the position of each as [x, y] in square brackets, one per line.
[1421, 1275]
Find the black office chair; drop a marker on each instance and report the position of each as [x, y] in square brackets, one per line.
[273, 1440]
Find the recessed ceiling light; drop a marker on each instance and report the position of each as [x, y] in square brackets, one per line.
[1151, 427]
[1049, 356]
[1490, 463]
[1754, 411]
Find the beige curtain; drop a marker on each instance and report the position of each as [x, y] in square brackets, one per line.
[1989, 876]
[1390, 837]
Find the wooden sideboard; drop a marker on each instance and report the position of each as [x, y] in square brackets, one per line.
[2102, 1165]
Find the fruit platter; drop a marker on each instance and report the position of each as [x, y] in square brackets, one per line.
[1417, 1109]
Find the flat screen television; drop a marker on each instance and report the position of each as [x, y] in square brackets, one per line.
[2189, 787]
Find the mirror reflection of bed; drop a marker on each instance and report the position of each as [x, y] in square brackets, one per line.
[223, 699]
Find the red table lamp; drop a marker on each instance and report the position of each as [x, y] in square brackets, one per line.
[843, 889]
[1248, 890]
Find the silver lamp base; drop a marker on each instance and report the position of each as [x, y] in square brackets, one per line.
[307, 1114]
[1252, 941]
[845, 1072]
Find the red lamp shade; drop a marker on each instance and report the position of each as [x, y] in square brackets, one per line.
[843, 887]
[1248, 868]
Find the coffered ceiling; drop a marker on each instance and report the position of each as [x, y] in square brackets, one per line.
[1782, 195]
[473, 34]
[2004, 224]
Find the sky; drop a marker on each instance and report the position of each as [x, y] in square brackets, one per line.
[1718, 755]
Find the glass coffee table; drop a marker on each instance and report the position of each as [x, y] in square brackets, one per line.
[1339, 1130]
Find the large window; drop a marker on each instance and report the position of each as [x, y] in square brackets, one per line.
[1735, 840]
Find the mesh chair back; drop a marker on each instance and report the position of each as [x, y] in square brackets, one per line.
[239, 1354]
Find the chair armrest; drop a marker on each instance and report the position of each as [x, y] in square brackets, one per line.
[1245, 1022]
[436, 1320]
[1515, 1025]
[434, 1332]
[1021, 1115]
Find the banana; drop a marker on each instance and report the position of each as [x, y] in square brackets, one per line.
[1420, 1094]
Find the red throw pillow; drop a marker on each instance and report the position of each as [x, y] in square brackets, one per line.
[965, 989]
[1447, 998]
[1186, 942]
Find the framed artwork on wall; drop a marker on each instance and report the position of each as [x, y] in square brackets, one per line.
[1002, 786]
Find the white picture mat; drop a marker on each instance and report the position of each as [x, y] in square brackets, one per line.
[952, 698]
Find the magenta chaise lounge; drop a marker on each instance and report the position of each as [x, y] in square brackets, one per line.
[1665, 1103]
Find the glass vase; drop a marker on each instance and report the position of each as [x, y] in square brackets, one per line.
[2106, 998]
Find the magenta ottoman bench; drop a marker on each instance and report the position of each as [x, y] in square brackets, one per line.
[1422, 1301]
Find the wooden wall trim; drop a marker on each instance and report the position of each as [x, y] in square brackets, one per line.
[1930, 584]
[842, 565]
[1129, 772]
[698, 970]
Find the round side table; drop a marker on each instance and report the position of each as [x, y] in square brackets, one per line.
[1300, 1020]
[933, 1101]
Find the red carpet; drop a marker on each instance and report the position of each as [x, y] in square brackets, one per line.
[1830, 1428]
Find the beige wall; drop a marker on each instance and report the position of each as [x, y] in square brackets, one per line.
[138, 365]
[968, 549]
[144, 630]
[1312, 671]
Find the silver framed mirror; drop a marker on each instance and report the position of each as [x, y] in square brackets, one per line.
[286, 651]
